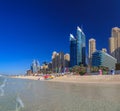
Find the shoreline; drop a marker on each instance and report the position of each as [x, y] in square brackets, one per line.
[108, 79]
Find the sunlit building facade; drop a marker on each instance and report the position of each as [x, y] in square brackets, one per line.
[92, 47]
[100, 58]
[104, 50]
[67, 60]
[114, 43]
[59, 61]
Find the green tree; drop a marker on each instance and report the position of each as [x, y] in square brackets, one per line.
[79, 70]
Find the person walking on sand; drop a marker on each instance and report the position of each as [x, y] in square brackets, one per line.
[112, 71]
[100, 71]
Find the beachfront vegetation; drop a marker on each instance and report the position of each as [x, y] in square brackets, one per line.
[117, 66]
[103, 68]
[81, 70]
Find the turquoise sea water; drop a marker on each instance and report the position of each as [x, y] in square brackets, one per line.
[29, 95]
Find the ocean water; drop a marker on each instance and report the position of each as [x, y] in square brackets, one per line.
[29, 95]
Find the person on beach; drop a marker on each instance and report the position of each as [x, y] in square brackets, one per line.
[100, 71]
[112, 71]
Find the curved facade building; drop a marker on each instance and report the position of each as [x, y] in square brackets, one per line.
[100, 58]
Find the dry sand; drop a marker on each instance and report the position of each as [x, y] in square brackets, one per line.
[79, 79]
[26, 77]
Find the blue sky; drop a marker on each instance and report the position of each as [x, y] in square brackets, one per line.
[33, 29]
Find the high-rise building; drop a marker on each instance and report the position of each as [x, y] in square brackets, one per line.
[92, 47]
[35, 67]
[114, 43]
[73, 51]
[29, 73]
[61, 61]
[100, 58]
[58, 62]
[50, 66]
[78, 48]
[67, 60]
[54, 61]
[81, 47]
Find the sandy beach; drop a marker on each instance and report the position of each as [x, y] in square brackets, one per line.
[25, 77]
[78, 79]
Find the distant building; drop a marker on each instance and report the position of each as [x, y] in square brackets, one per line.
[114, 43]
[35, 67]
[78, 48]
[45, 66]
[29, 73]
[59, 60]
[50, 66]
[67, 60]
[100, 58]
[92, 47]
[104, 50]
[54, 61]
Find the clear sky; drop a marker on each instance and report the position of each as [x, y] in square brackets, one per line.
[33, 29]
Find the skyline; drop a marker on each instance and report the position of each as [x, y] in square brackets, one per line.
[31, 29]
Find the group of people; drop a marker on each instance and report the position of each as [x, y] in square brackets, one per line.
[112, 71]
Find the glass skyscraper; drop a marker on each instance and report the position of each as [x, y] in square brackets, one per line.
[35, 67]
[73, 51]
[81, 47]
[78, 48]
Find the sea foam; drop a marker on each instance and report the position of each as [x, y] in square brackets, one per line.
[19, 103]
[2, 86]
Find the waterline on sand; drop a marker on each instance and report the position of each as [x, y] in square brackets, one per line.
[2, 86]
[19, 103]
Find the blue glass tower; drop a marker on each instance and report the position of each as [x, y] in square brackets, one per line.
[81, 47]
[35, 67]
[78, 49]
[73, 51]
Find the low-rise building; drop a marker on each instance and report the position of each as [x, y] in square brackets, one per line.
[100, 58]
